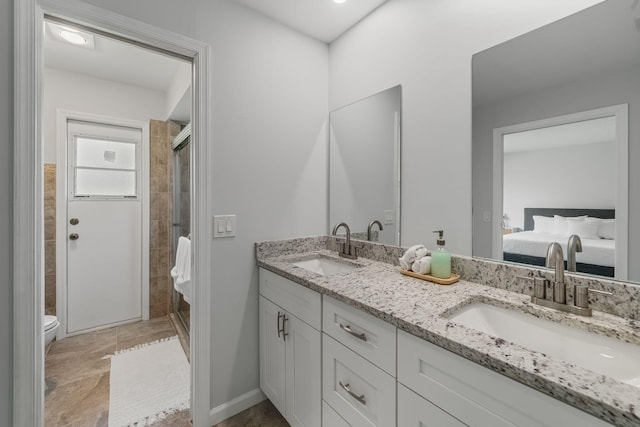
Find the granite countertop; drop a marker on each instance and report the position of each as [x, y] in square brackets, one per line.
[421, 308]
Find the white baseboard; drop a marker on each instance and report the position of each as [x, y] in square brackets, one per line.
[235, 406]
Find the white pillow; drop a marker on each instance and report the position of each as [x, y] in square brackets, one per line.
[585, 228]
[561, 226]
[607, 229]
[542, 224]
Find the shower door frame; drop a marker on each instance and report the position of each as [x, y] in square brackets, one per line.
[179, 143]
[28, 237]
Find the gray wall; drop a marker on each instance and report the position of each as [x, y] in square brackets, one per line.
[6, 212]
[587, 94]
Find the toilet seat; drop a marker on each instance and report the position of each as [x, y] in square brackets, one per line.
[50, 322]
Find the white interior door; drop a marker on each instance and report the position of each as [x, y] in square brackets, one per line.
[104, 225]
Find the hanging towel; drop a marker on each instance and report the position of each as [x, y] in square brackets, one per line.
[181, 272]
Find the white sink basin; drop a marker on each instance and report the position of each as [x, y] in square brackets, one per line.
[608, 356]
[325, 266]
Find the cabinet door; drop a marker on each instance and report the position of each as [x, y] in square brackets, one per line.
[414, 411]
[304, 400]
[272, 354]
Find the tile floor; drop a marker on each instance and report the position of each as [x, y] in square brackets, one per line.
[77, 377]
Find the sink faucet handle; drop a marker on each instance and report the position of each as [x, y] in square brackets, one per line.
[539, 285]
[581, 295]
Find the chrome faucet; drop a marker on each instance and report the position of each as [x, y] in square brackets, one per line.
[346, 249]
[555, 258]
[371, 224]
[574, 245]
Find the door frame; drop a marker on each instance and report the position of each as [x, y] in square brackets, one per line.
[28, 237]
[62, 196]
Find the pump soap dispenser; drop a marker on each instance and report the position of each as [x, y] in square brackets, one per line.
[441, 259]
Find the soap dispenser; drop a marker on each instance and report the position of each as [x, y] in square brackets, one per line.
[441, 259]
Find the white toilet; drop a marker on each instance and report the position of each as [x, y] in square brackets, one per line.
[50, 329]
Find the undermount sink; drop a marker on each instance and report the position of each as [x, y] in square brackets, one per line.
[325, 266]
[608, 356]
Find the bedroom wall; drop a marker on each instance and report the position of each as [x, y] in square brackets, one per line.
[586, 94]
[527, 182]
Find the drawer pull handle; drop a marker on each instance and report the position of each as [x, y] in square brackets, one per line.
[348, 330]
[360, 398]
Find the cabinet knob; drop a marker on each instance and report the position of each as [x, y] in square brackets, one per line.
[74, 236]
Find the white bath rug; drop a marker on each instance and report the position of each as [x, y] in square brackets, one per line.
[148, 382]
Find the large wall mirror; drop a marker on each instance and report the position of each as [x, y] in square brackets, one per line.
[555, 144]
[364, 167]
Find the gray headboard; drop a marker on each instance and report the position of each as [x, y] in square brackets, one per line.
[596, 213]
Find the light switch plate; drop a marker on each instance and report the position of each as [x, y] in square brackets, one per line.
[388, 217]
[224, 226]
[486, 216]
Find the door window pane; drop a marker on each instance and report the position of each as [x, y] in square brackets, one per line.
[105, 182]
[105, 154]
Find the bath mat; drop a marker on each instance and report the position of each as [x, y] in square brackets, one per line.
[148, 382]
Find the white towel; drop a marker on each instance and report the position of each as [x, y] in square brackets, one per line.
[404, 264]
[422, 265]
[414, 253]
[181, 272]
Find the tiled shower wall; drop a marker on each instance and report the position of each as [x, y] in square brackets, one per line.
[160, 239]
[50, 239]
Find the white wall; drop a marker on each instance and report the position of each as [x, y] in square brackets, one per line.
[270, 150]
[179, 85]
[82, 93]
[426, 46]
[6, 212]
[586, 174]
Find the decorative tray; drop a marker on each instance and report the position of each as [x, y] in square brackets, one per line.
[451, 280]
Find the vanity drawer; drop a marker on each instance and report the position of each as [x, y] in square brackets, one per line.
[414, 411]
[330, 418]
[360, 392]
[302, 302]
[477, 395]
[370, 337]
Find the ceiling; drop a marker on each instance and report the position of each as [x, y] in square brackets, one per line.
[117, 61]
[578, 133]
[596, 40]
[112, 60]
[324, 20]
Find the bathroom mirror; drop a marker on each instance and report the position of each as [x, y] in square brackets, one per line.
[364, 166]
[558, 81]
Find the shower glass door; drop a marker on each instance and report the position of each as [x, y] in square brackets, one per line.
[181, 211]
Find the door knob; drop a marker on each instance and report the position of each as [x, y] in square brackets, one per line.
[74, 236]
[74, 221]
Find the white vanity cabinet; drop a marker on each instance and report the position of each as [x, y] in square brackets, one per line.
[290, 349]
[359, 364]
[475, 395]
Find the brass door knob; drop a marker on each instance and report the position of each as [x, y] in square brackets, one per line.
[74, 236]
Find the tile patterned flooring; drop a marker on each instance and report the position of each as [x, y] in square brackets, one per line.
[77, 376]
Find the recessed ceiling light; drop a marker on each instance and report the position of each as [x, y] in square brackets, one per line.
[66, 34]
[339, 1]
[73, 37]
